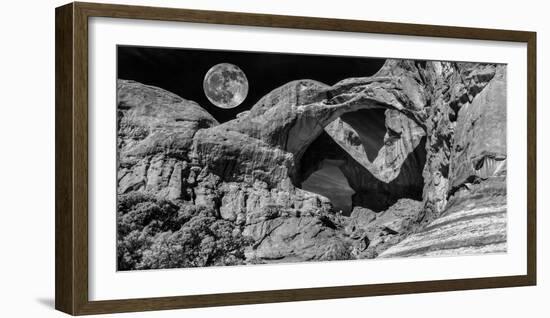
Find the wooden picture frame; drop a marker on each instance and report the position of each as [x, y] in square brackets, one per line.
[71, 268]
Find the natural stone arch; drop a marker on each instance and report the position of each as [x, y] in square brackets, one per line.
[282, 125]
[371, 191]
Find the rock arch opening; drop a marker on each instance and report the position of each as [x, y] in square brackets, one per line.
[331, 182]
[390, 169]
[370, 125]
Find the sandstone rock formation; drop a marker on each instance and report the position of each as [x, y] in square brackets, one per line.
[418, 149]
[155, 131]
[474, 218]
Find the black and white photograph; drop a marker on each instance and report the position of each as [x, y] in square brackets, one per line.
[245, 158]
[274, 159]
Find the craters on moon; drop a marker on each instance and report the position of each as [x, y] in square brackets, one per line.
[225, 85]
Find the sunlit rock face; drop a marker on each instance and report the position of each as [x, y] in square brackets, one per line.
[374, 232]
[454, 88]
[155, 134]
[474, 218]
[479, 149]
[473, 222]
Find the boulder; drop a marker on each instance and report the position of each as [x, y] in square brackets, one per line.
[152, 120]
[293, 239]
[372, 233]
[155, 133]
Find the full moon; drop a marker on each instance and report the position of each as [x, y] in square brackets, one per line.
[225, 85]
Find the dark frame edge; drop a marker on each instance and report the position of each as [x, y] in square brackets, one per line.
[64, 235]
[72, 162]
[296, 22]
[291, 295]
[532, 158]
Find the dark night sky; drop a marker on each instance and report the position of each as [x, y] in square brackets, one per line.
[181, 71]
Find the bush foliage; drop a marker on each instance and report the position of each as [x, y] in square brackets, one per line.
[156, 233]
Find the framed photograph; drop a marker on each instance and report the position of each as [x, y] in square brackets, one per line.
[219, 158]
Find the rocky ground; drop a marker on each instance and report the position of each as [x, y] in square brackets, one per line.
[420, 148]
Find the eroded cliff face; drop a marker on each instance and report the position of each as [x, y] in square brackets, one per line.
[473, 219]
[416, 143]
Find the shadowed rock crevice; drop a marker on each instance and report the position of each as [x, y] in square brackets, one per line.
[329, 181]
[325, 162]
[378, 195]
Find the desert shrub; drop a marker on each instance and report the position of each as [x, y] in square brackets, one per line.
[135, 211]
[139, 218]
[202, 241]
[130, 249]
[127, 201]
[156, 233]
